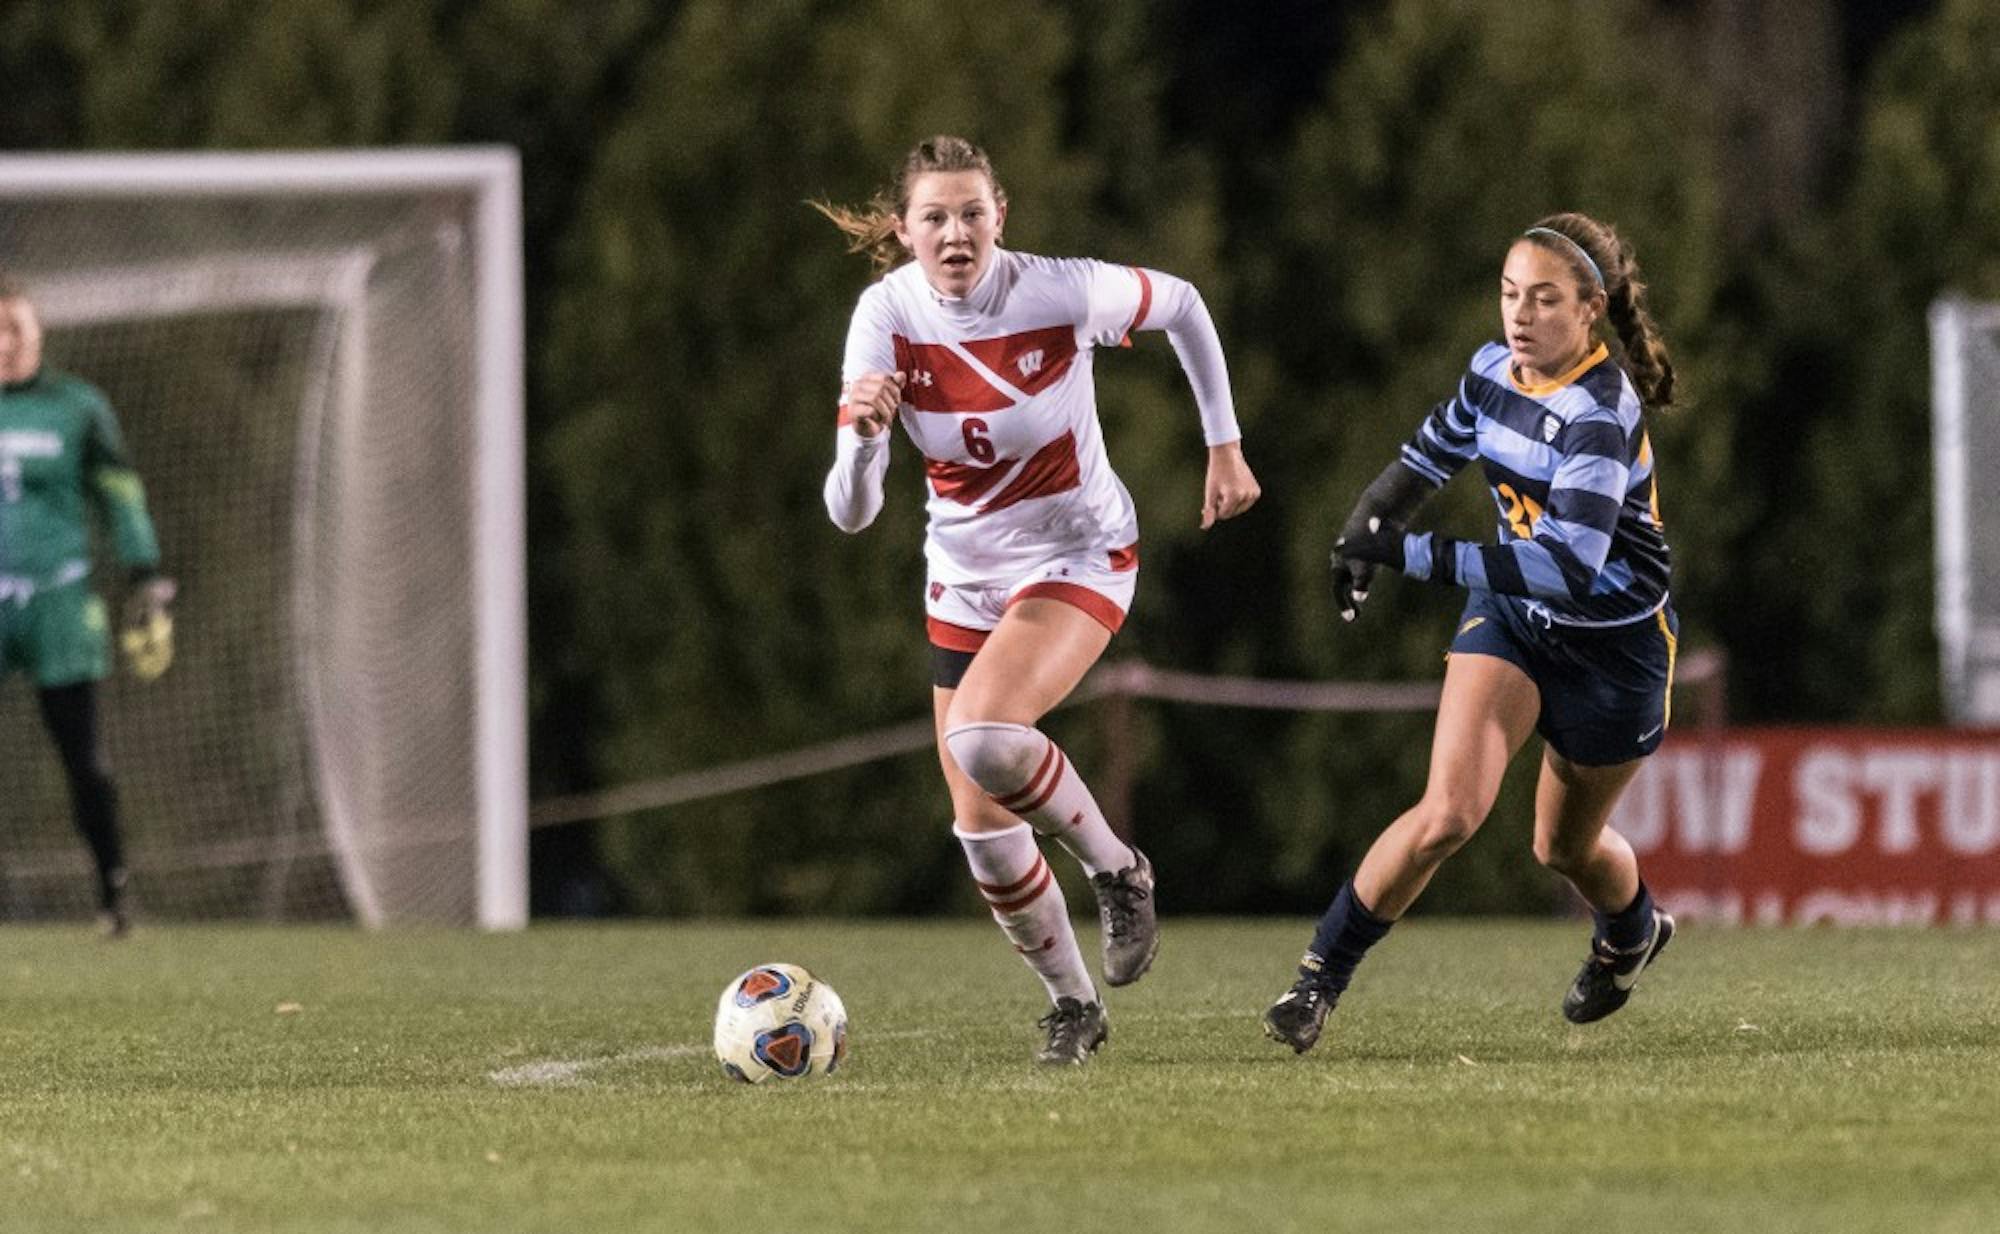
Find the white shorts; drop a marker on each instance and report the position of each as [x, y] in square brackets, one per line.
[958, 618]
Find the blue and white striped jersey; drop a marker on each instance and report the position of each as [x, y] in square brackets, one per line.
[1571, 471]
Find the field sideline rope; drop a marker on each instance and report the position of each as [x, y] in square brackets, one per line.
[1123, 679]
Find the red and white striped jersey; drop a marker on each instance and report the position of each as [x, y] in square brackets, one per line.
[1000, 401]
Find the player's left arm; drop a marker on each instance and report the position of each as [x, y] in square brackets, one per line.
[1140, 299]
[1560, 550]
[120, 497]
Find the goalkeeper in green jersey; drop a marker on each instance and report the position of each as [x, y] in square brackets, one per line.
[61, 455]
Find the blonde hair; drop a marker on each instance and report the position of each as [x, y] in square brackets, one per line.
[1600, 258]
[871, 229]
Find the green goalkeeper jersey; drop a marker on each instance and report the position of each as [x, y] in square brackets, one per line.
[60, 454]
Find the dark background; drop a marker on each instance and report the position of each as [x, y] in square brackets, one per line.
[1800, 180]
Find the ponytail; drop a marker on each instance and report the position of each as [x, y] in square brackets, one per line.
[871, 229]
[1601, 258]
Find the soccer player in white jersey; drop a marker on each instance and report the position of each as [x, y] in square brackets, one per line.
[984, 354]
[1567, 629]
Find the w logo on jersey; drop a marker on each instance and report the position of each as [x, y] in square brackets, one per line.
[943, 380]
[1032, 360]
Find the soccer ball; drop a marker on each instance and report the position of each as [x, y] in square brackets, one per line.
[779, 1020]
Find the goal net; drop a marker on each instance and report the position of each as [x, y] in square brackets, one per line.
[1965, 423]
[316, 361]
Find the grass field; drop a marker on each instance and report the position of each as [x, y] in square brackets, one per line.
[324, 1080]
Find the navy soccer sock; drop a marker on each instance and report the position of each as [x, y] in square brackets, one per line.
[1344, 935]
[1630, 927]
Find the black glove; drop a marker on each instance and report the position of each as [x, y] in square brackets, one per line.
[1393, 497]
[1387, 544]
[1350, 582]
[1379, 543]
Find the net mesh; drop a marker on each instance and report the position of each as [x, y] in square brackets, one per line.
[294, 380]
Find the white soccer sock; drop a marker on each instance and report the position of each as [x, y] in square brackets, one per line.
[1028, 903]
[1027, 773]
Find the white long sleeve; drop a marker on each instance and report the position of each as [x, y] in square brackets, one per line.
[854, 485]
[1178, 309]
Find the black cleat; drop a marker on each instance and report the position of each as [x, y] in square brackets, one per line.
[1299, 1014]
[1131, 924]
[1607, 978]
[1075, 1031]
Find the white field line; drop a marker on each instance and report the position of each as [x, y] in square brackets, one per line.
[568, 1072]
[558, 1072]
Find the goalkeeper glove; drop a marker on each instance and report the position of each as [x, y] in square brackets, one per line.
[148, 636]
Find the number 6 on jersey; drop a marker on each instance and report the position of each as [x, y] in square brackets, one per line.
[977, 443]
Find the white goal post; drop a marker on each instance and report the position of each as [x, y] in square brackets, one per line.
[1965, 454]
[351, 690]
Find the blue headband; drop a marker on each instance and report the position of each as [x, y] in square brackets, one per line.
[1580, 250]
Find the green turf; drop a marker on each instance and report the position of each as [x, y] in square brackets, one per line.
[1762, 1082]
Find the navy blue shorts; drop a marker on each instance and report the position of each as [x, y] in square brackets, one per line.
[1605, 690]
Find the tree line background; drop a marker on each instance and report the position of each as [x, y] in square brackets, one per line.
[1800, 178]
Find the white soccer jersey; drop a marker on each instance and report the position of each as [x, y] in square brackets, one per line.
[1000, 401]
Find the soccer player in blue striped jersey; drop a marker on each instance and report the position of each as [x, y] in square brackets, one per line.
[1567, 629]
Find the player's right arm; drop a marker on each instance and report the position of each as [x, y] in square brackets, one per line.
[861, 449]
[1441, 447]
[871, 393]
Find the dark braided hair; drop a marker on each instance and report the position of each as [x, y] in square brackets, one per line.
[1646, 357]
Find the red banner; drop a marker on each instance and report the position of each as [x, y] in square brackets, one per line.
[1821, 825]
